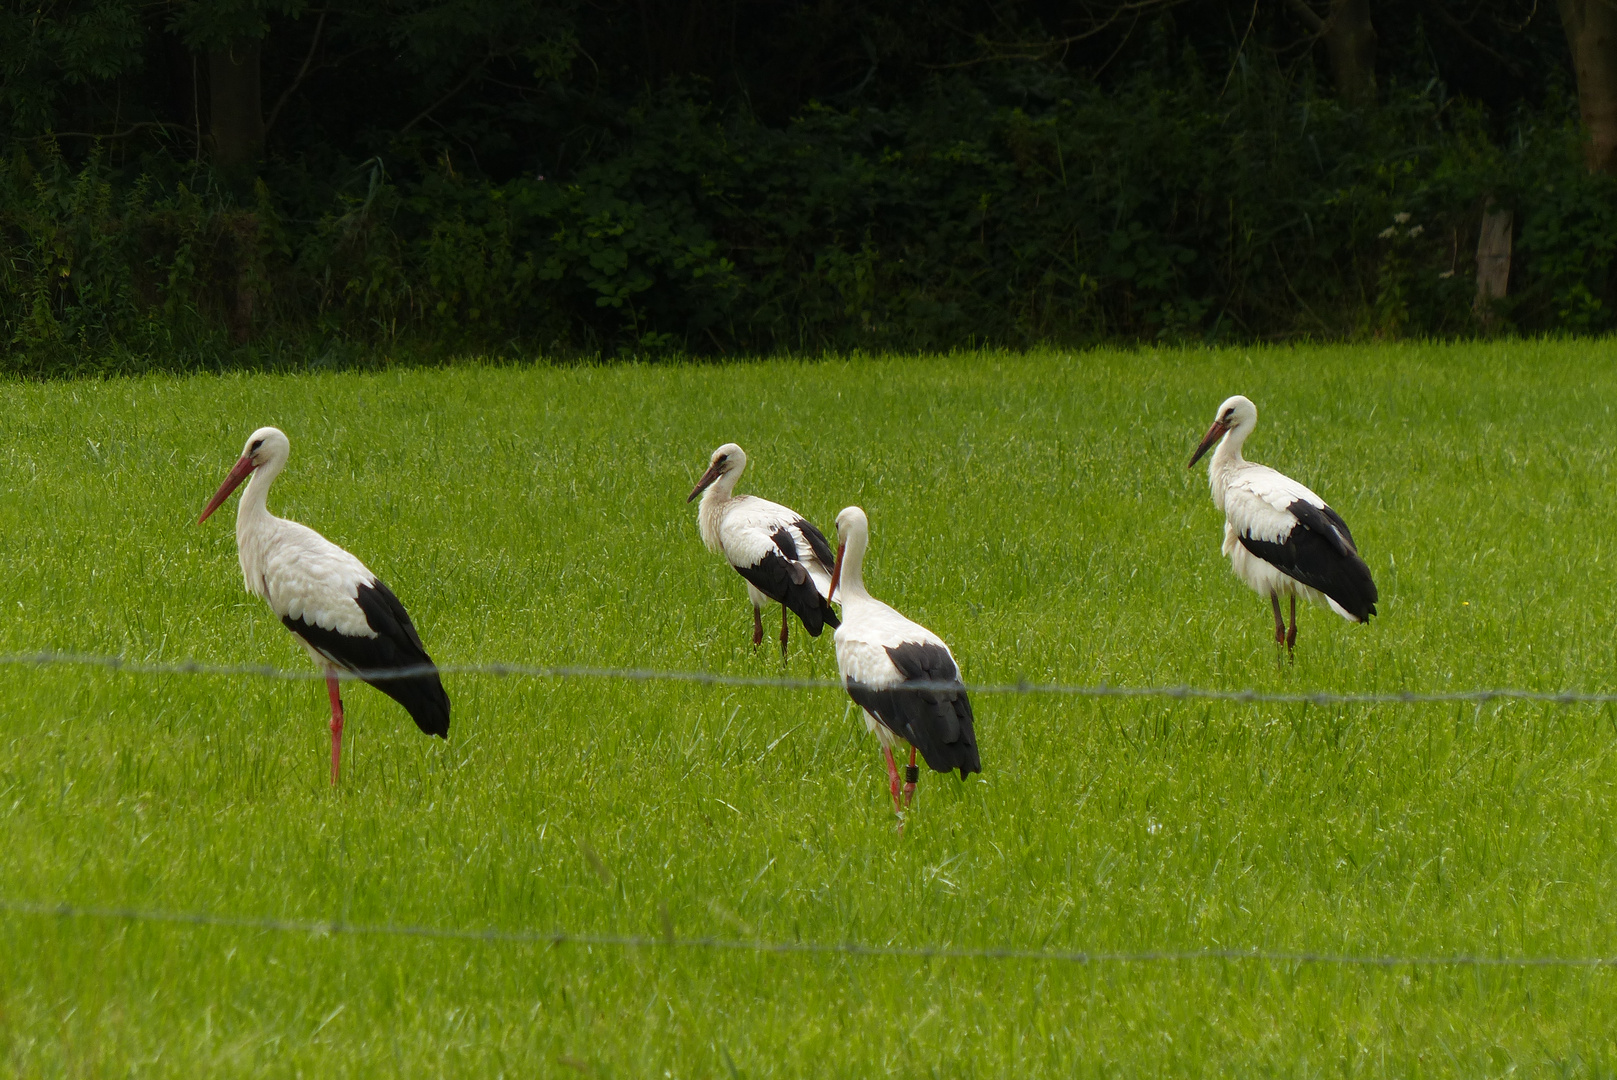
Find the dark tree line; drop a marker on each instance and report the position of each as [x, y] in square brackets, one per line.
[760, 174]
[513, 83]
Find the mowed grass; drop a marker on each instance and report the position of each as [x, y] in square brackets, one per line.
[1035, 511]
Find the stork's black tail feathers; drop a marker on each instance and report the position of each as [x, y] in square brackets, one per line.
[803, 597]
[1320, 553]
[937, 722]
[807, 604]
[423, 697]
[781, 576]
[395, 646]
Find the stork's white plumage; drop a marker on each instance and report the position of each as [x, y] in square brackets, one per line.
[781, 555]
[1281, 538]
[338, 610]
[879, 653]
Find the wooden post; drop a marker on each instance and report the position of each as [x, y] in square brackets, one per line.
[1493, 259]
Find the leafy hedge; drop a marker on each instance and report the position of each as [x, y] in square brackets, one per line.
[1006, 214]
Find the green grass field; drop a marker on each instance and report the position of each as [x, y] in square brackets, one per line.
[1036, 512]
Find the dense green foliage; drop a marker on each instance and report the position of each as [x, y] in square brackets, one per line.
[443, 175]
[1034, 511]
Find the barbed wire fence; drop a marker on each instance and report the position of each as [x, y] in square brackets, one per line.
[560, 938]
[573, 671]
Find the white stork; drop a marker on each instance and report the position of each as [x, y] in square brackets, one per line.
[880, 652]
[782, 556]
[334, 606]
[1281, 538]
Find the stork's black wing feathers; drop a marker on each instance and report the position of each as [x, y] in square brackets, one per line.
[1336, 529]
[396, 645]
[780, 576]
[817, 542]
[938, 723]
[1321, 554]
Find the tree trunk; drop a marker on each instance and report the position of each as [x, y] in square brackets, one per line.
[1591, 34]
[1350, 40]
[235, 107]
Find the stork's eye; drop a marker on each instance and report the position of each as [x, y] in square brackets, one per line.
[722, 459]
[1229, 414]
[253, 449]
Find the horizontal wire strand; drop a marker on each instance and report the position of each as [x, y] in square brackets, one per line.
[557, 938]
[532, 671]
[846, 948]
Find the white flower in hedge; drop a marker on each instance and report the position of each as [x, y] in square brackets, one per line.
[1416, 231]
[1400, 218]
[1388, 233]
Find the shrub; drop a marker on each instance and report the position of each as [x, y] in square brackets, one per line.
[975, 213]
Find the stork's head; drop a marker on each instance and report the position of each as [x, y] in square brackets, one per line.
[266, 446]
[1236, 414]
[727, 463]
[851, 520]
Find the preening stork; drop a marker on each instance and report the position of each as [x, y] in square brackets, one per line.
[336, 608]
[879, 654]
[782, 556]
[1281, 538]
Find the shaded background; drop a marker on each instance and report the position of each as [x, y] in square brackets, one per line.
[213, 183]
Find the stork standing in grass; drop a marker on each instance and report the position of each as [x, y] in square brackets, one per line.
[782, 556]
[880, 654]
[337, 609]
[1281, 538]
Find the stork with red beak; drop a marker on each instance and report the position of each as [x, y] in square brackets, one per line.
[1281, 538]
[900, 673]
[778, 551]
[339, 611]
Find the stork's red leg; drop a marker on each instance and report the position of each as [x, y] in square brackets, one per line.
[1291, 635]
[911, 774]
[1280, 622]
[757, 628]
[334, 688]
[783, 625]
[892, 777]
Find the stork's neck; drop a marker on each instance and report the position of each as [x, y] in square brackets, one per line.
[253, 512]
[851, 584]
[710, 511]
[1227, 455]
[1225, 462]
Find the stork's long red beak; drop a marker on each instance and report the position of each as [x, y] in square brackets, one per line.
[238, 472]
[836, 571]
[708, 477]
[1214, 433]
